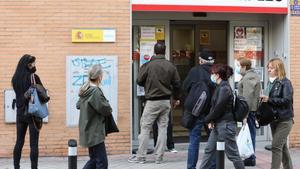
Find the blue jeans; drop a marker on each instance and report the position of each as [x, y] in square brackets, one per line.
[194, 145]
[98, 157]
[252, 128]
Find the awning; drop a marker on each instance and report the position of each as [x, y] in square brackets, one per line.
[231, 6]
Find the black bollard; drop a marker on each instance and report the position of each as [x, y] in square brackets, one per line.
[72, 154]
[220, 154]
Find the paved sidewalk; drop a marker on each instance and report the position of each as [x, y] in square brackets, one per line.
[172, 161]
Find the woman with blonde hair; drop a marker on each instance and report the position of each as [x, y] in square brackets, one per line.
[94, 107]
[279, 94]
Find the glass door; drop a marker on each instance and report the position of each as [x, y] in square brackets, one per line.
[250, 40]
[182, 54]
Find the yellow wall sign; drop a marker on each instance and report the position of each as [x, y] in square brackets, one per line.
[93, 35]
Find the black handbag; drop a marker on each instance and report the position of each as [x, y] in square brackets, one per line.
[188, 120]
[110, 125]
[265, 114]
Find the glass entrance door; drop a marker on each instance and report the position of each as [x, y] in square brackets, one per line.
[187, 38]
[250, 40]
[183, 56]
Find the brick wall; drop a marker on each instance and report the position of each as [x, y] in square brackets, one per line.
[295, 74]
[43, 28]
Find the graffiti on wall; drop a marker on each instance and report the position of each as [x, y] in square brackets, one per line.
[77, 75]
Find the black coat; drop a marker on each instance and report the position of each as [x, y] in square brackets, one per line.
[221, 104]
[281, 99]
[197, 74]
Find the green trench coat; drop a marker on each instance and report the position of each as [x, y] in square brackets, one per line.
[93, 108]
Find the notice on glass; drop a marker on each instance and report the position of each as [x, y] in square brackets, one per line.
[260, 72]
[160, 33]
[240, 44]
[240, 41]
[148, 33]
[254, 38]
[146, 51]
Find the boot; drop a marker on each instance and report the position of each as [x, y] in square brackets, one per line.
[239, 165]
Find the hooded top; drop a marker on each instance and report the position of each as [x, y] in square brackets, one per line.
[93, 107]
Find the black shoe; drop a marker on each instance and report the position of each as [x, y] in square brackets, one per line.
[268, 147]
[249, 162]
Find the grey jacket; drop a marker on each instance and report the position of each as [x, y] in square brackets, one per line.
[249, 87]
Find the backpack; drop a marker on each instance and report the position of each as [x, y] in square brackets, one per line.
[198, 98]
[196, 103]
[240, 108]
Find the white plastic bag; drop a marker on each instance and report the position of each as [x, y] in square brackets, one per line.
[244, 142]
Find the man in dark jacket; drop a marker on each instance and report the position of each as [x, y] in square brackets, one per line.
[160, 79]
[199, 73]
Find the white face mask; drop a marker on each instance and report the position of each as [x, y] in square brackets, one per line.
[213, 78]
[271, 79]
[238, 69]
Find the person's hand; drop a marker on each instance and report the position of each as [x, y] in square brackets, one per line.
[264, 98]
[211, 125]
[176, 103]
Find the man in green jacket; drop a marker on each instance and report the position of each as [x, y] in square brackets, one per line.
[160, 80]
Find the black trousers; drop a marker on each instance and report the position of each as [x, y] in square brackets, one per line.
[98, 157]
[23, 122]
[170, 143]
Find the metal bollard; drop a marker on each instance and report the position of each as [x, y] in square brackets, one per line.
[220, 154]
[72, 154]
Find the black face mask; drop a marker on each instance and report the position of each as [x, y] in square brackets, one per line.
[32, 70]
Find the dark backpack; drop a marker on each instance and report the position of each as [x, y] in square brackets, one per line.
[198, 98]
[240, 108]
[196, 103]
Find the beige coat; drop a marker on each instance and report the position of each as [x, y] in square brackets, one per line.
[249, 87]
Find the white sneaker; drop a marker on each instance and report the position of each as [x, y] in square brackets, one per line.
[135, 159]
[173, 150]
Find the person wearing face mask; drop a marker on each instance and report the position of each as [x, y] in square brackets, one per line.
[94, 107]
[220, 119]
[21, 82]
[199, 73]
[279, 94]
[249, 87]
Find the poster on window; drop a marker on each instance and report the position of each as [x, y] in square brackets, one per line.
[146, 51]
[248, 42]
[254, 38]
[148, 33]
[77, 75]
[204, 37]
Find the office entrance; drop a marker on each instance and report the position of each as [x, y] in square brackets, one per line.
[187, 38]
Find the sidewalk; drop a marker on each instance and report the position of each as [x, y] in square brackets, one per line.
[172, 161]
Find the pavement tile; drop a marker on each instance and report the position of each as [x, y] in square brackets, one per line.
[171, 161]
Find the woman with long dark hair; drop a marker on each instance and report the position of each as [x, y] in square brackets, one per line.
[220, 119]
[21, 81]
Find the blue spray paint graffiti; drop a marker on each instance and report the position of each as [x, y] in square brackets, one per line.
[83, 64]
[77, 75]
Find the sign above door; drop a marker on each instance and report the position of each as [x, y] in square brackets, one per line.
[236, 6]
